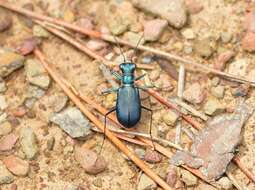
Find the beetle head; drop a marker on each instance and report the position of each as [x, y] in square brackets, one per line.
[127, 67]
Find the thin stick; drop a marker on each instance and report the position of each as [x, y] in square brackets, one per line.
[181, 81]
[99, 124]
[192, 110]
[110, 38]
[169, 143]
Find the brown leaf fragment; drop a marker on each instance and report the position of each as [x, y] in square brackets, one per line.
[216, 143]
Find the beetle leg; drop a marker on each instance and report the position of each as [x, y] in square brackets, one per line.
[116, 75]
[105, 117]
[148, 109]
[110, 90]
[140, 77]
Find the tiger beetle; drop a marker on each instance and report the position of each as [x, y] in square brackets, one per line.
[128, 105]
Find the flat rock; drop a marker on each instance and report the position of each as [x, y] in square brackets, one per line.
[91, 162]
[5, 176]
[7, 142]
[28, 142]
[73, 122]
[10, 62]
[16, 165]
[36, 74]
[146, 183]
[153, 29]
[216, 143]
[172, 10]
[194, 94]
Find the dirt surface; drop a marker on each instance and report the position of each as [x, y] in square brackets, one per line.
[56, 168]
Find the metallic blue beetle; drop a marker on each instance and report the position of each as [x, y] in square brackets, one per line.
[128, 106]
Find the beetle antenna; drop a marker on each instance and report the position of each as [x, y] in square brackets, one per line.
[136, 47]
[121, 51]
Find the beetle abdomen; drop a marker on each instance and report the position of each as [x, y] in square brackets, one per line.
[128, 108]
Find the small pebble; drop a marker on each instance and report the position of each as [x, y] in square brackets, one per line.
[226, 37]
[152, 156]
[50, 143]
[171, 177]
[96, 45]
[170, 118]
[39, 31]
[225, 183]
[203, 48]
[7, 142]
[28, 142]
[5, 128]
[90, 161]
[194, 94]
[188, 178]
[188, 34]
[213, 107]
[218, 91]
[153, 29]
[98, 182]
[241, 91]
[193, 6]
[19, 112]
[5, 176]
[140, 152]
[16, 165]
[146, 183]
[222, 59]
[27, 46]
[215, 81]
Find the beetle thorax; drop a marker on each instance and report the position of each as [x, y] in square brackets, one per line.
[128, 70]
